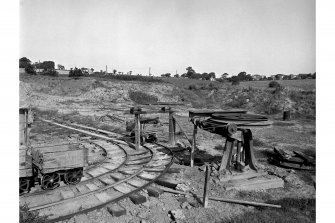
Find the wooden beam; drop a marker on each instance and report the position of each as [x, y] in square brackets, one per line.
[251, 203]
[206, 187]
[227, 153]
[137, 132]
[182, 130]
[238, 153]
[172, 129]
[195, 129]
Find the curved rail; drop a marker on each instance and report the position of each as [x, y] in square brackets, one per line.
[130, 177]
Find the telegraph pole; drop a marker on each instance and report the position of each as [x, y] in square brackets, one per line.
[149, 70]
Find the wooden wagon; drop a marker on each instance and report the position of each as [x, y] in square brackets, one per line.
[48, 165]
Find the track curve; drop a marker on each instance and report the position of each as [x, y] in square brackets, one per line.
[105, 183]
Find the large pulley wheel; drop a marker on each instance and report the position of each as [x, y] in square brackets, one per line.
[73, 176]
[240, 117]
[24, 185]
[50, 181]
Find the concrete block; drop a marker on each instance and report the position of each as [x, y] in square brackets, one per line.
[167, 182]
[116, 210]
[154, 191]
[137, 198]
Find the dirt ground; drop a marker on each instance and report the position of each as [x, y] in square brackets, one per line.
[90, 101]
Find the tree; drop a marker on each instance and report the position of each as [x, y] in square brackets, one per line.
[176, 75]
[211, 75]
[60, 67]
[23, 62]
[190, 72]
[224, 76]
[114, 71]
[205, 76]
[76, 72]
[166, 75]
[92, 70]
[29, 69]
[45, 65]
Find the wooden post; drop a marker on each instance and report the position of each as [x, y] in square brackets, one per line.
[85, 156]
[206, 188]
[227, 153]
[238, 153]
[193, 144]
[172, 129]
[137, 131]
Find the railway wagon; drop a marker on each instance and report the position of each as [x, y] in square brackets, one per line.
[48, 165]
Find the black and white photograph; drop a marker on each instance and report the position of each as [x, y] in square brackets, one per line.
[145, 111]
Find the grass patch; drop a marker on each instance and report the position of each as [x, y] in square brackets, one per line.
[142, 98]
[293, 210]
[258, 142]
[283, 123]
[27, 216]
[125, 77]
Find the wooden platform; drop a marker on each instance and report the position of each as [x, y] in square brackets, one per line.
[251, 180]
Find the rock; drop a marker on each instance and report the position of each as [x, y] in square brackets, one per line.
[182, 187]
[146, 204]
[177, 214]
[202, 168]
[142, 215]
[215, 180]
[185, 205]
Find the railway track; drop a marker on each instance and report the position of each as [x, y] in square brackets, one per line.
[125, 171]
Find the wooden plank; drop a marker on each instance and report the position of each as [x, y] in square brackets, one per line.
[103, 197]
[57, 148]
[306, 158]
[66, 193]
[107, 180]
[97, 171]
[136, 183]
[69, 159]
[259, 183]
[227, 153]
[206, 187]
[242, 176]
[124, 188]
[92, 187]
[193, 145]
[82, 188]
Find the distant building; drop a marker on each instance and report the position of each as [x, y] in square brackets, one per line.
[293, 76]
[257, 77]
[304, 76]
[280, 76]
[273, 77]
[62, 72]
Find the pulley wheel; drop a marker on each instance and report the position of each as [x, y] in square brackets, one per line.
[240, 117]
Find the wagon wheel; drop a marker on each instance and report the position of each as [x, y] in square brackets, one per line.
[73, 176]
[24, 185]
[50, 181]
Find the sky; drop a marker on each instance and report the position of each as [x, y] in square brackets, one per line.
[223, 36]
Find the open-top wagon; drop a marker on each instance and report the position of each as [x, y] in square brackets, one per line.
[50, 164]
